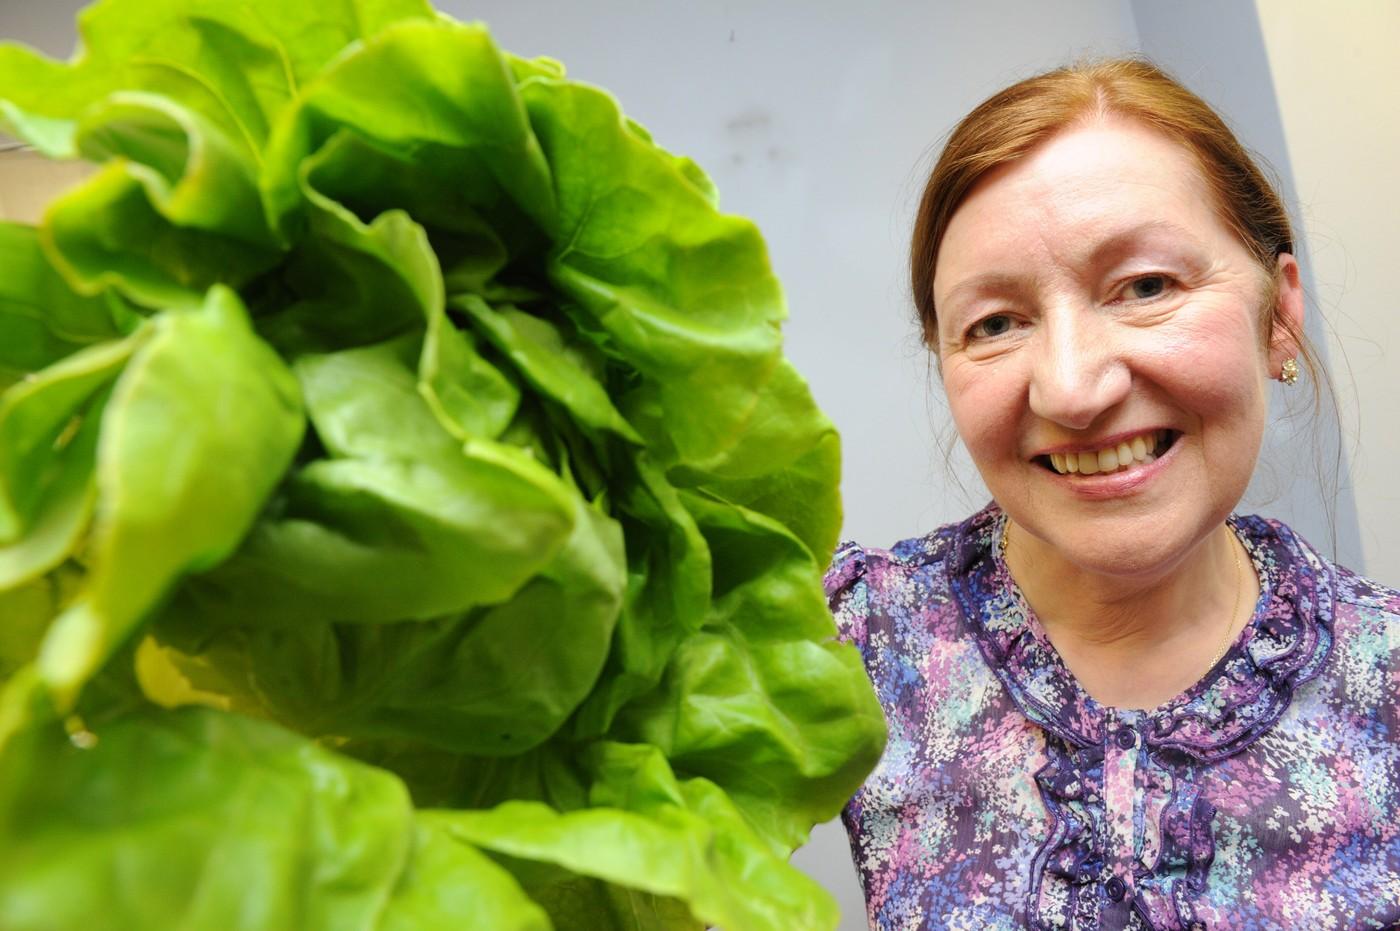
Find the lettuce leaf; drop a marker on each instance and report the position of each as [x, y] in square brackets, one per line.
[407, 516]
[201, 819]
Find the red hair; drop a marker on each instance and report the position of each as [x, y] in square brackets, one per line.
[1011, 123]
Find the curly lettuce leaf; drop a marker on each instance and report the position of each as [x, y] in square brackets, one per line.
[399, 521]
[490, 475]
[38, 418]
[171, 499]
[239, 64]
[41, 319]
[648, 832]
[450, 112]
[757, 701]
[494, 681]
[201, 819]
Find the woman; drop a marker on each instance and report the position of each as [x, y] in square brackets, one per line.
[1113, 704]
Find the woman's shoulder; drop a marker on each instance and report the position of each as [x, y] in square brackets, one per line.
[895, 585]
[1348, 588]
[854, 565]
[1366, 623]
[1367, 594]
[1361, 614]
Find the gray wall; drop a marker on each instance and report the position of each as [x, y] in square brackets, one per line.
[819, 121]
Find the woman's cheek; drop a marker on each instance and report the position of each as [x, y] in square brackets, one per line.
[988, 406]
[1213, 357]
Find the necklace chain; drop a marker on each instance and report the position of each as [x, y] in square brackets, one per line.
[1234, 610]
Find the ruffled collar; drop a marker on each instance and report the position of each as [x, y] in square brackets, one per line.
[1285, 644]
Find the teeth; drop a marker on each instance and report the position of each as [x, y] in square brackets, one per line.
[1142, 448]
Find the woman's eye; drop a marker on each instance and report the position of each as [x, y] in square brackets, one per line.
[1147, 287]
[990, 327]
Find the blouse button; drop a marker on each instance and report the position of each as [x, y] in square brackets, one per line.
[1116, 889]
[1126, 738]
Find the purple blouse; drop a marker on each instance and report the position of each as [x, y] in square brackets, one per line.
[1266, 796]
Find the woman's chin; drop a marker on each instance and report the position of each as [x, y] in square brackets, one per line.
[1143, 526]
[1128, 548]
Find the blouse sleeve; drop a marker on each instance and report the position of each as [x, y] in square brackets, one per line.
[847, 593]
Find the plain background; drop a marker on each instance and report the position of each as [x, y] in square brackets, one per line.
[820, 121]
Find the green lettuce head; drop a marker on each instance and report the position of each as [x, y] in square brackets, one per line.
[407, 516]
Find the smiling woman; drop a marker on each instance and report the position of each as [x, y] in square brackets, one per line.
[1111, 332]
[1113, 703]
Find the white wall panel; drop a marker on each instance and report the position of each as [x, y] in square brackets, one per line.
[1335, 75]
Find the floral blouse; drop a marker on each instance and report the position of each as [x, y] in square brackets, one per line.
[1266, 796]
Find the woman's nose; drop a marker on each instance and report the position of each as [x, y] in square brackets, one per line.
[1078, 372]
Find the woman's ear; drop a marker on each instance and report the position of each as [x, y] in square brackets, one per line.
[1288, 314]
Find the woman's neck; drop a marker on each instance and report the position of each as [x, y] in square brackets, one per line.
[1137, 642]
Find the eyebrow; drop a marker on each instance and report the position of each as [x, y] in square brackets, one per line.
[985, 283]
[1111, 244]
[1117, 240]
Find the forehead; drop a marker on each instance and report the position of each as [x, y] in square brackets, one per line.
[1071, 194]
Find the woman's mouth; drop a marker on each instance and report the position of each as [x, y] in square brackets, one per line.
[1136, 450]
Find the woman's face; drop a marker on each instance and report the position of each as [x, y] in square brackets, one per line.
[1090, 300]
